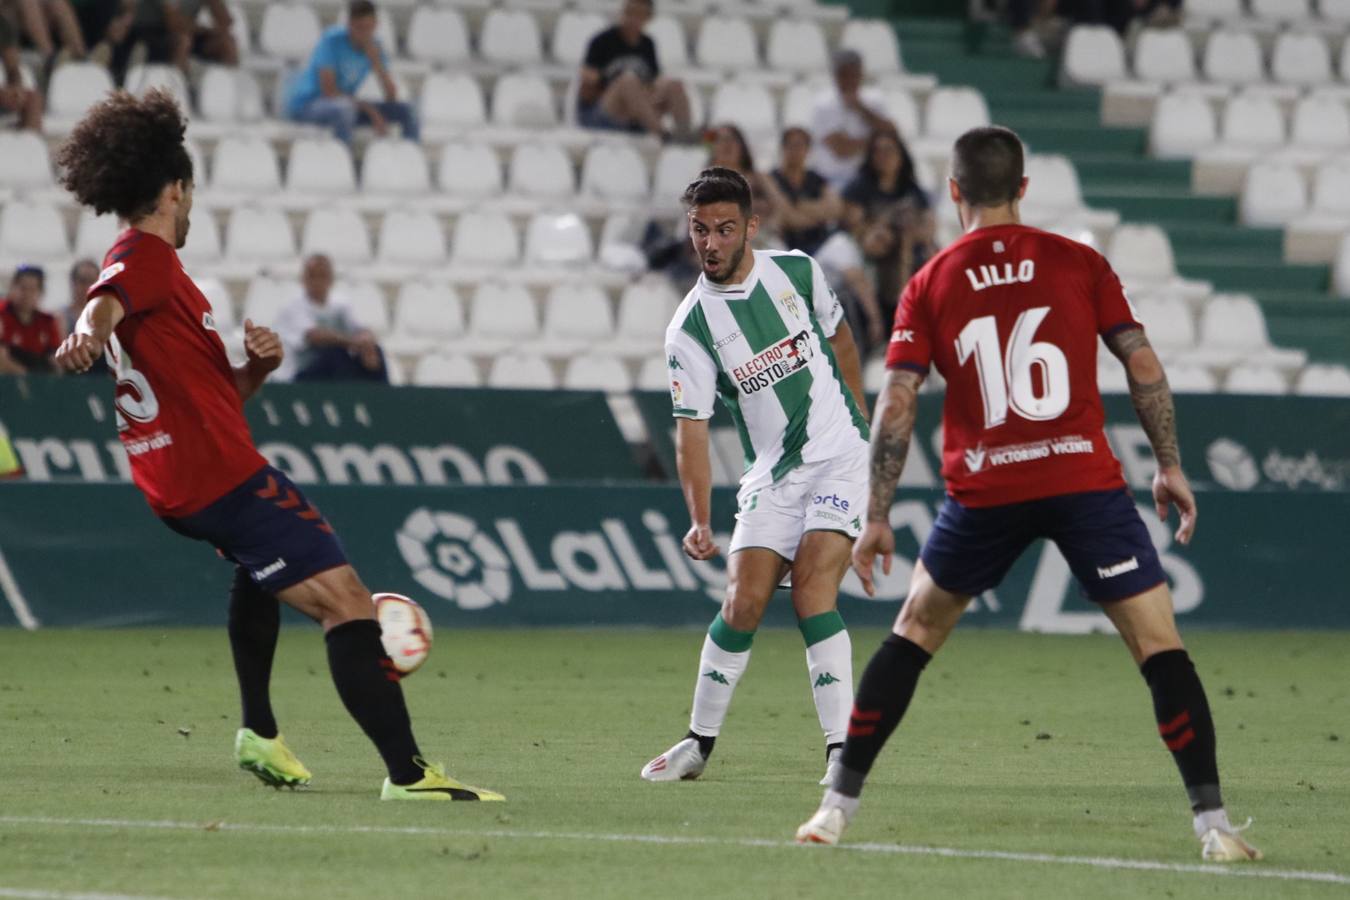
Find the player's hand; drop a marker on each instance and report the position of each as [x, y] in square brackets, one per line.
[699, 543]
[262, 346]
[378, 121]
[78, 352]
[876, 538]
[1170, 487]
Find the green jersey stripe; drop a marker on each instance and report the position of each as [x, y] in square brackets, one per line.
[731, 398]
[696, 326]
[798, 271]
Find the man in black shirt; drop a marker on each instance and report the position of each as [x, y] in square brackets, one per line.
[621, 85]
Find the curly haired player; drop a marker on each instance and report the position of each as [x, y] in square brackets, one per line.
[180, 417]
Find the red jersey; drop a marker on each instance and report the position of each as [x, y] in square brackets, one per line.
[34, 341]
[1010, 316]
[179, 413]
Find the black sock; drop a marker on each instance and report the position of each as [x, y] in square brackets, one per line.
[1185, 723]
[705, 743]
[883, 696]
[254, 623]
[830, 748]
[368, 685]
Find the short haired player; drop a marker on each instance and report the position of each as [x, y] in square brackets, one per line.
[1010, 316]
[180, 417]
[763, 331]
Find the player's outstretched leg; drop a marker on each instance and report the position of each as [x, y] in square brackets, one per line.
[254, 623]
[1181, 708]
[752, 575]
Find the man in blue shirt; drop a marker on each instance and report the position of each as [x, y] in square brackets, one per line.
[323, 93]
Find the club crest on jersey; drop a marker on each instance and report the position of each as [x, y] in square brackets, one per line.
[111, 271]
[772, 365]
[1000, 275]
[789, 300]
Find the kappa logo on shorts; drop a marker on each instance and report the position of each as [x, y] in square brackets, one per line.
[1119, 568]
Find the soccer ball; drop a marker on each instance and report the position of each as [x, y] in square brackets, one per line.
[405, 631]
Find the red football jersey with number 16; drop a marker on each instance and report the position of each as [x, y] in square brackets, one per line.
[1010, 316]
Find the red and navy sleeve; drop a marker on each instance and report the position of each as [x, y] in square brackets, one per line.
[136, 273]
[911, 345]
[1115, 312]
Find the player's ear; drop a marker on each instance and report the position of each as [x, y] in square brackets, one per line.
[953, 191]
[1022, 188]
[751, 227]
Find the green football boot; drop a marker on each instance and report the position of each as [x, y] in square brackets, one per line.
[270, 759]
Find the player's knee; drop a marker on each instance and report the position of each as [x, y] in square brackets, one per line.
[740, 610]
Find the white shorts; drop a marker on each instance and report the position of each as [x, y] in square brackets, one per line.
[830, 495]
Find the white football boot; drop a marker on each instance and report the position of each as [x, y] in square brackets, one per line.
[1221, 841]
[825, 827]
[834, 762]
[683, 762]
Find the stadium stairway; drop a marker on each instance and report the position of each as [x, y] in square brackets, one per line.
[1116, 173]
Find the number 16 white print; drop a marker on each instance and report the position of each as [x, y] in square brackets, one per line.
[1006, 380]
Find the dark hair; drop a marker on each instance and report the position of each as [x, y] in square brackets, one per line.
[31, 271]
[909, 181]
[124, 152]
[791, 130]
[359, 9]
[86, 261]
[746, 161]
[987, 165]
[718, 185]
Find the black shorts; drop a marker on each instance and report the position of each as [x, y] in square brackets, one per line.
[1100, 534]
[267, 527]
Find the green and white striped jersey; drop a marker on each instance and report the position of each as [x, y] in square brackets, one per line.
[762, 347]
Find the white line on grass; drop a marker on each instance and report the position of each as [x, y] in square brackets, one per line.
[32, 894]
[1095, 862]
[10, 588]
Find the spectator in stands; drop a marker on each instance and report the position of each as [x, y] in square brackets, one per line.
[324, 92]
[846, 270]
[82, 275]
[170, 32]
[24, 103]
[842, 120]
[104, 24]
[621, 86]
[885, 179]
[1119, 14]
[322, 338]
[729, 149]
[809, 207]
[28, 336]
[39, 19]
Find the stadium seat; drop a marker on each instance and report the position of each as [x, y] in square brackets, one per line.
[1169, 322]
[614, 172]
[1290, 11]
[222, 307]
[1141, 254]
[33, 232]
[797, 45]
[578, 311]
[367, 302]
[1183, 124]
[655, 376]
[1272, 195]
[245, 163]
[1300, 59]
[445, 370]
[437, 35]
[874, 40]
[1056, 191]
[899, 106]
[597, 373]
[257, 235]
[541, 170]
[1320, 123]
[1336, 11]
[523, 99]
[510, 37]
[1189, 379]
[1320, 380]
[1233, 322]
[289, 31]
[450, 102]
[227, 94]
[952, 111]
[1341, 271]
[143, 78]
[1214, 10]
[672, 45]
[503, 311]
[726, 43]
[371, 89]
[24, 163]
[1253, 122]
[1331, 190]
[522, 372]
[1233, 57]
[411, 237]
[1093, 54]
[339, 232]
[75, 87]
[320, 165]
[747, 105]
[1111, 378]
[560, 239]
[572, 33]
[266, 297]
[675, 168]
[1255, 379]
[469, 170]
[799, 102]
[645, 309]
[427, 315]
[1164, 56]
[95, 235]
[395, 166]
[203, 240]
[485, 238]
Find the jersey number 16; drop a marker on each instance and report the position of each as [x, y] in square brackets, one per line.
[1007, 380]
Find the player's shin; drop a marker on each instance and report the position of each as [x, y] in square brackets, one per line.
[368, 685]
[1186, 726]
[829, 662]
[726, 653]
[254, 623]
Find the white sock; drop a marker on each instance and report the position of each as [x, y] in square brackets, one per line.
[718, 671]
[829, 663]
[1212, 818]
[834, 799]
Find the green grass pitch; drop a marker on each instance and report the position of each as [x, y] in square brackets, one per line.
[1020, 744]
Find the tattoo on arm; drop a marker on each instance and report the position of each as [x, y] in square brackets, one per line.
[1152, 400]
[892, 430]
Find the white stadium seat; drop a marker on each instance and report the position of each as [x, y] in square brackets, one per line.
[1169, 322]
[1300, 59]
[1164, 56]
[525, 100]
[725, 42]
[796, 45]
[645, 309]
[485, 238]
[1335, 11]
[1253, 122]
[367, 302]
[510, 37]
[950, 112]
[672, 44]
[229, 94]
[521, 372]
[558, 239]
[1272, 195]
[578, 312]
[1321, 380]
[503, 311]
[32, 232]
[444, 370]
[320, 165]
[1093, 54]
[143, 78]
[245, 163]
[395, 166]
[289, 31]
[874, 40]
[1141, 254]
[747, 105]
[799, 102]
[257, 235]
[1056, 190]
[469, 170]
[573, 32]
[1233, 57]
[371, 89]
[1341, 271]
[597, 373]
[614, 172]
[95, 235]
[338, 232]
[1282, 10]
[1187, 379]
[898, 105]
[438, 35]
[1183, 125]
[1320, 123]
[203, 240]
[451, 101]
[222, 307]
[75, 87]
[265, 298]
[655, 376]
[675, 168]
[1255, 379]
[411, 237]
[1214, 10]
[24, 162]
[1233, 322]
[428, 313]
[541, 170]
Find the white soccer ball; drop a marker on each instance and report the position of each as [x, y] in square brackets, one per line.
[405, 630]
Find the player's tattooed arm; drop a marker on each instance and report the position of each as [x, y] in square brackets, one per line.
[892, 429]
[1150, 393]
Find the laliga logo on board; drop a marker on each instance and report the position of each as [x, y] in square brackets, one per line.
[450, 557]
